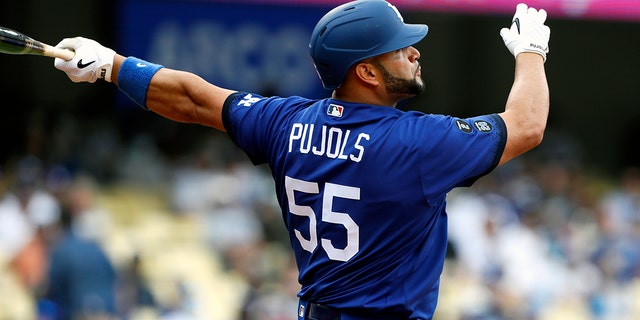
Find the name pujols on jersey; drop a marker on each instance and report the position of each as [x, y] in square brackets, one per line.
[331, 142]
[327, 141]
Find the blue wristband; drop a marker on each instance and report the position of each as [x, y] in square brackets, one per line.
[134, 78]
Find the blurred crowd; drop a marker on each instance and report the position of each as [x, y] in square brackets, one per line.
[199, 236]
[545, 238]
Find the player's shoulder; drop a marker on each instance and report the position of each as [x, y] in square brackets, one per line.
[481, 122]
[422, 119]
[248, 99]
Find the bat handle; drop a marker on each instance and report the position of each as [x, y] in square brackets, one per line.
[64, 54]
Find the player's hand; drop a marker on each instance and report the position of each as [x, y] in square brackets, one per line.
[91, 62]
[527, 33]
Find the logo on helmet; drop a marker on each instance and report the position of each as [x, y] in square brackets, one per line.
[396, 11]
[357, 30]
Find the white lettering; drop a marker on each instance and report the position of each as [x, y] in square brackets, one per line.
[248, 100]
[346, 138]
[307, 148]
[319, 152]
[330, 142]
[359, 147]
[296, 134]
[334, 153]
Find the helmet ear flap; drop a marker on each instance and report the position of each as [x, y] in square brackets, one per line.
[324, 72]
[355, 31]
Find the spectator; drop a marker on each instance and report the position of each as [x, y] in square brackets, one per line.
[81, 279]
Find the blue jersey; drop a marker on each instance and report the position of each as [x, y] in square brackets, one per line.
[362, 190]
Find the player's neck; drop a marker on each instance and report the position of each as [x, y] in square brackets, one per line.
[359, 95]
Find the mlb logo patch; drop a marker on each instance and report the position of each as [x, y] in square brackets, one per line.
[335, 110]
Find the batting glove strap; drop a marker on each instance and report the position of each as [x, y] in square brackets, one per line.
[134, 78]
[527, 32]
[92, 61]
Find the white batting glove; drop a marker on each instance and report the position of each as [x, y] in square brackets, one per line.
[528, 32]
[91, 62]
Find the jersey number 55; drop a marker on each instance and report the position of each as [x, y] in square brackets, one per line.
[331, 191]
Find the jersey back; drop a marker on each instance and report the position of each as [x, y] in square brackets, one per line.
[363, 191]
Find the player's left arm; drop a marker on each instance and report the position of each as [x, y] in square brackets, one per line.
[527, 106]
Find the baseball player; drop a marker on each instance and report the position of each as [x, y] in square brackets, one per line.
[362, 185]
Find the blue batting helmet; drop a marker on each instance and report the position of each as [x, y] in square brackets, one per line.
[355, 31]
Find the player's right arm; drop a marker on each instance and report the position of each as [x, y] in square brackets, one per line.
[527, 106]
[177, 95]
[182, 96]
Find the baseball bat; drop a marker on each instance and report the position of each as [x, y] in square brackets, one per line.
[14, 42]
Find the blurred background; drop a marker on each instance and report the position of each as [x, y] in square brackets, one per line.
[108, 211]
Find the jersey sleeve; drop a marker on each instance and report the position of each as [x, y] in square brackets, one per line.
[246, 119]
[458, 151]
[254, 123]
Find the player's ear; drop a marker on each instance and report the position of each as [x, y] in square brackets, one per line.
[368, 73]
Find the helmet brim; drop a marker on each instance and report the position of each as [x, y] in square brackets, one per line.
[409, 35]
